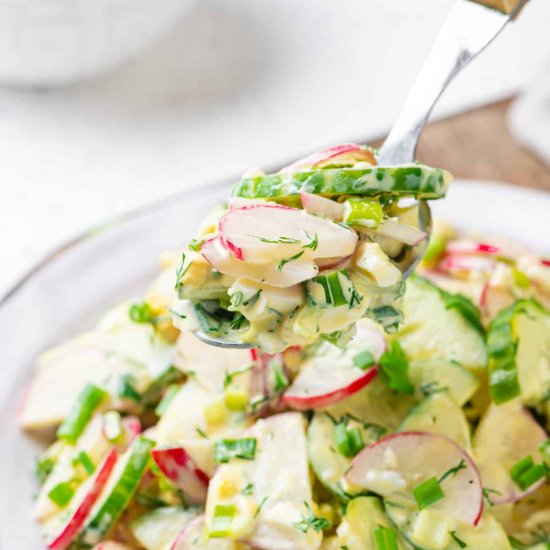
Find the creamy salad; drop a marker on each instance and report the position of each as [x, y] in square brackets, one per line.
[303, 254]
[431, 437]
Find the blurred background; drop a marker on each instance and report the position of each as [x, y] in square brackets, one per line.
[110, 105]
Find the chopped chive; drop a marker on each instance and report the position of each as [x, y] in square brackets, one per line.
[237, 298]
[61, 494]
[334, 293]
[355, 299]
[237, 321]
[208, 322]
[385, 538]
[180, 271]
[281, 381]
[127, 390]
[195, 244]
[201, 433]
[279, 240]
[428, 492]
[248, 489]
[253, 299]
[285, 261]
[222, 520]
[171, 392]
[453, 471]
[84, 458]
[364, 360]
[394, 369]
[230, 376]
[44, 467]
[226, 449]
[314, 242]
[460, 542]
[312, 521]
[87, 402]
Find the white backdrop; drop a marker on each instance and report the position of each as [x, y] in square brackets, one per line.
[235, 83]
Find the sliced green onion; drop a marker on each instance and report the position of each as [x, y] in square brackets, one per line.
[44, 467]
[525, 472]
[363, 212]
[394, 369]
[140, 313]
[520, 278]
[364, 360]
[208, 322]
[460, 542]
[88, 401]
[428, 492]
[385, 538]
[334, 293]
[281, 381]
[222, 520]
[226, 449]
[126, 389]
[153, 393]
[349, 441]
[195, 244]
[112, 425]
[171, 392]
[84, 458]
[61, 494]
[436, 247]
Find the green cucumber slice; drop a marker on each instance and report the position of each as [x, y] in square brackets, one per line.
[441, 415]
[118, 492]
[519, 353]
[155, 530]
[438, 327]
[415, 180]
[426, 530]
[435, 375]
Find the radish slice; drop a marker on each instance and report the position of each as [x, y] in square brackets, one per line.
[90, 493]
[495, 454]
[332, 264]
[347, 153]
[111, 545]
[178, 467]
[321, 206]
[330, 376]
[395, 465]
[293, 272]
[471, 247]
[238, 202]
[544, 262]
[407, 234]
[271, 233]
[191, 537]
[456, 262]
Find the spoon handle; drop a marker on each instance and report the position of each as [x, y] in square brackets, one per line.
[468, 29]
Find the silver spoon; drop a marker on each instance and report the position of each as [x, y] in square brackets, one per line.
[467, 30]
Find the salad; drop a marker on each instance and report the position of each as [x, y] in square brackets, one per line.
[431, 437]
[304, 253]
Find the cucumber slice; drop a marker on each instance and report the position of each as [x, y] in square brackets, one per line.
[519, 353]
[506, 434]
[158, 529]
[427, 530]
[363, 516]
[441, 415]
[441, 326]
[117, 494]
[409, 180]
[434, 374]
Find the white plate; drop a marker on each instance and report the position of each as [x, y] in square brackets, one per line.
[67, 293]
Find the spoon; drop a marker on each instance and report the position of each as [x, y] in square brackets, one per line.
[467, 30]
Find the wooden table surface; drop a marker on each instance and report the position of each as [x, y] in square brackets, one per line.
[478, 144]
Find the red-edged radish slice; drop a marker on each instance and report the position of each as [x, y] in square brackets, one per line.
[131, 428]
[333, 264]
[407, 234]
[506, 434]
[239, 202]
[90, 493]
[454, 263]
[292, 273]
[471, 247]
[347, 153]
[545, 262]
[395, 465]
[271, 233]
[321, 206]
[330, 376]
[178, 467]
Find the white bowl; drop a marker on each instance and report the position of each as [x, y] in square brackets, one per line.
[46, 43]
